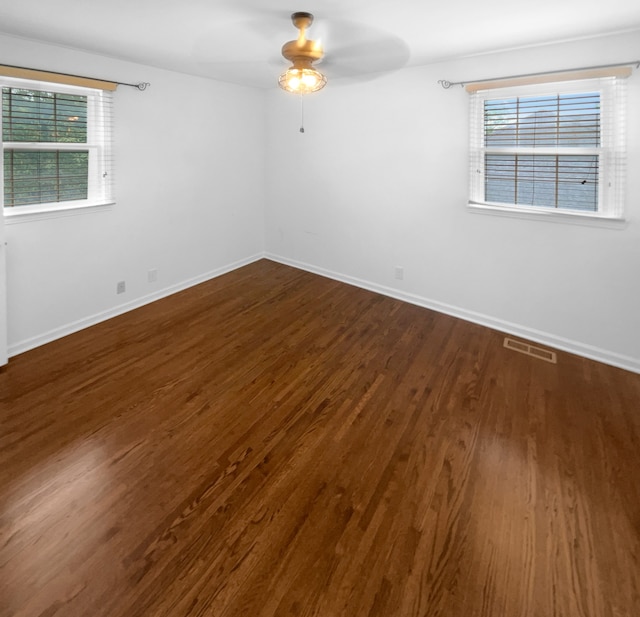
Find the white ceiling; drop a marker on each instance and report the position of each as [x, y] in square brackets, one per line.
[239, 40]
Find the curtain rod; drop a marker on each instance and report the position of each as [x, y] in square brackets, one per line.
[447, 84]
[143, 85]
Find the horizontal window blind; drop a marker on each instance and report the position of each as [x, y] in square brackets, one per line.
[56, 145]
[34, 115]
[565, 120]
[568, 182]
[33, 177]
[552, 146]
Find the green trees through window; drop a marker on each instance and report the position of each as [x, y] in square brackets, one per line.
[43, 133]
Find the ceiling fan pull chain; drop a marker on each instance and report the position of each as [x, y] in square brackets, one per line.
[302, 113]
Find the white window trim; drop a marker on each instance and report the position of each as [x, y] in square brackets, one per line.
[611, 153]
[100, 151]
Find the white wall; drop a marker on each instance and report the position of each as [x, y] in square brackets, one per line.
[388, 159]
[379, 179]
[190, 200]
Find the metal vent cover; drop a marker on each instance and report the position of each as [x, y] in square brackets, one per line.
[531, 350]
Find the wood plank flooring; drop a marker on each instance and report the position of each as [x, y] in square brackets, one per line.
[274, 443]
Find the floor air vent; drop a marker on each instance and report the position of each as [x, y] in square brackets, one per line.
[530, 350]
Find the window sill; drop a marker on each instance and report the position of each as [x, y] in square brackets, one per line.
[573, 218]
[14, 215]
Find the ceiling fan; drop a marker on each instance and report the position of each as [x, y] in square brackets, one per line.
[301, 77]
[355, 50]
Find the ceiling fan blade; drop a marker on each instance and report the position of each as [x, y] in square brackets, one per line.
[367, 52]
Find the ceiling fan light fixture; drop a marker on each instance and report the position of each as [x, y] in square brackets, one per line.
[301, 77]
[302, 80]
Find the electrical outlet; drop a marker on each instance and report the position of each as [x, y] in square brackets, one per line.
[399, 273]
[152, 275]
[121, 287]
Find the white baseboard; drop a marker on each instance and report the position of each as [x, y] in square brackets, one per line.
[92, 320]
[544, 338]
[588, 351]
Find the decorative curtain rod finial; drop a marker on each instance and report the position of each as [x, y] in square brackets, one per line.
[447, 84]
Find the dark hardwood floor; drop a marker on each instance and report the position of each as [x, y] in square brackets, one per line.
[276, 443]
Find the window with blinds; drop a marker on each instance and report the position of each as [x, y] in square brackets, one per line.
[549, 147]
[56, 143]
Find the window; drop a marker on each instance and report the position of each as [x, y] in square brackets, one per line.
[56, 142]
[549, 148]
